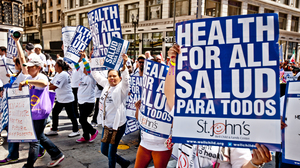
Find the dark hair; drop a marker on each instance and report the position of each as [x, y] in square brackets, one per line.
[47, 56]
[62, 64]
[119, 72]
[29, 47]
[2, 48]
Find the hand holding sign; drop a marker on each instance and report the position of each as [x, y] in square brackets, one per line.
[261, 155]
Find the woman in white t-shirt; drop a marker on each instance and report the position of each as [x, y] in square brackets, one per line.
[39, 81]
[86, 101]
[112, 110]
[61, 83]
[225, 157]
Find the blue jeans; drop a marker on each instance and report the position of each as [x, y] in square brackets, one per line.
[13, 150]
[110, 150]
[52, 150]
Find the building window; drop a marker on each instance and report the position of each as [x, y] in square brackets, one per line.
[44, 18]
[234, 7]
[72, 4]
[153, 9]
[131, 9]
[50, 3]
[152, 42]
[182, 8]
[72, 20]
[130, 38]
[252, 9]
[282, 21]
[58, 15]
[84, 2]
[51, 17]
[213, 8]
[296, 3]
[84, 19]
[286, 2]
[268, 11]
[96, 1]
[58, 2]
[295, 23]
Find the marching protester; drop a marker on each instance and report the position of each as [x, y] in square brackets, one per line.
[148, 55]
[3, 54]
[159, 59]
[38, 81]
[61, 83]
[112, 112]
[86, 101]
[38, 50]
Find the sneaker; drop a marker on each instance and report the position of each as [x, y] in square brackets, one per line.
[93, 137]
[94, 124]
[81, 140]
[56, 162]
[41, 155]
[7, 161]
[127, 163]
[51, 132]
[74, 134]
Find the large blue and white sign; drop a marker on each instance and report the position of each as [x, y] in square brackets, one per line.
[154, 116]
[11, 51]
[80, 41]
[104, 23]
[67, 36]
[291, 138]
[227, 85]
[114, 58]
[20, 127]
[135, 87]
[3, 111]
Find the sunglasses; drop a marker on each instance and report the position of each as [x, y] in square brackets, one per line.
[141, 62]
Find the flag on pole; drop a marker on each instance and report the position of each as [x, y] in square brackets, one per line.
[293, 57]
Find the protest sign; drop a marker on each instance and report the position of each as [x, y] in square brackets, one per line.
[67, 36]
[20, 127]
[135, 87]
[3, 111]
[12, 52]
[3, 73]
[114, 58]
[154, 115]
[80, 41]
[227, 82]
[104, 24]
[291, 138]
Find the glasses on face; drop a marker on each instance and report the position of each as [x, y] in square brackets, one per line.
[158, 59]
[141, 62]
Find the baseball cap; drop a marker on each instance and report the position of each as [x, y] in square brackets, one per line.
[141, 56]
[38, 46]
[34, 61]
[29, 47]
[158, 56]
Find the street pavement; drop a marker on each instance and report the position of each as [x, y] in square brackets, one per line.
[84, 155]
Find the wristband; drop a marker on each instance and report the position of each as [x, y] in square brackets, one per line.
[172, 63]
[258, 166]
[26, 82]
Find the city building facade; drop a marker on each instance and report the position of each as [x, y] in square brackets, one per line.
[155, 27]
[11, 18]
[52, 23]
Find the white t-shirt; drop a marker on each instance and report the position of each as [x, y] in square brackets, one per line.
[39, 76]
[32, 55]
[154, 143]
[110, 108]
[1, 83]
[97, 91]
[63, 91]
[43, 57]
[77, 76]
[86, 90]
[21, 77]
[53, 63]
[48, 63]
[198, 156]
[3, 58]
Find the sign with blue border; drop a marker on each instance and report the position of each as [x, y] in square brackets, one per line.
[227, 85]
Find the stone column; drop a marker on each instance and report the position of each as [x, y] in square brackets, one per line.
[166, 9]
[224, 7]
[122, 13]
[289, 22]
[142, 11]
[244, 10]
[261, 9]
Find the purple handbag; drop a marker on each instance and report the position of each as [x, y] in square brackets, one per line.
[41, 102]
